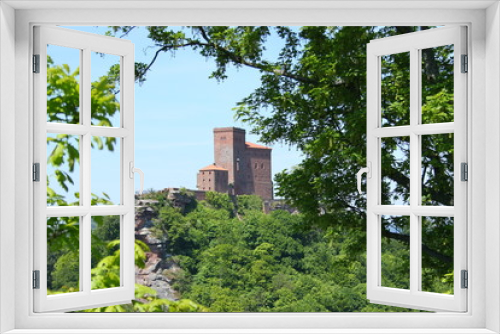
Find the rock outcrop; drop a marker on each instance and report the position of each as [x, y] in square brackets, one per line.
[159, 269]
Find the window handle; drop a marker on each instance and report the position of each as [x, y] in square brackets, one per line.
[141, 174]
[368, 171]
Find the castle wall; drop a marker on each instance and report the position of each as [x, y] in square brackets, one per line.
[212, 180]
[261, 173]
[221, 181]
[229, 147]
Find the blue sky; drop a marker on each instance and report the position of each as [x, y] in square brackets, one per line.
[175, 112]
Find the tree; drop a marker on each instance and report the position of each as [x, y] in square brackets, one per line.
[63, 105]
[270, 263]
[313, 96]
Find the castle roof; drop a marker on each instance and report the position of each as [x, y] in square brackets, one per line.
[252, 145]
[229, 129]
[213, 167]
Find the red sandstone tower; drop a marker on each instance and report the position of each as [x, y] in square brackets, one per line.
[213, 178]
[248, 165]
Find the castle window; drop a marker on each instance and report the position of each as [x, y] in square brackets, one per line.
[262, 165]
[255, 166]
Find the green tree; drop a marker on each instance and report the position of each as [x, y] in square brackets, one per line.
[66, 273]
[220, 201]
[248, 203]
[63, 105]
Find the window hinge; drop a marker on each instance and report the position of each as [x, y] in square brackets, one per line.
[36, 172]
[36, 279]
[36, 63]
[464, 168]
[465, 63]
[465, 279]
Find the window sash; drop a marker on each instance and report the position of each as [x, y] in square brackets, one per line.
[412, 43]
[86, 297]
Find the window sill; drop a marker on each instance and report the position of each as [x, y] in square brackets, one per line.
[251, 331]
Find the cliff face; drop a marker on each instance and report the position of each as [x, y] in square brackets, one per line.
[158, 271]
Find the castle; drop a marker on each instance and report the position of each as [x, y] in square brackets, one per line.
[240, 167]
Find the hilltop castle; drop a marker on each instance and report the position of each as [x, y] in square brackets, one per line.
[240, 167]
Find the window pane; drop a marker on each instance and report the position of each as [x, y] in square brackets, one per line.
[105, 74]
[105, 252]
[395, 89]
[106, 170]
[395, 252]
[437, 169]
[395, 171]
[63, 169]
[437, 84]
[63, 84]
[63, 255]
[437, 254]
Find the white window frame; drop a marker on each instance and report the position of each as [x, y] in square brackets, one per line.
[483, 20]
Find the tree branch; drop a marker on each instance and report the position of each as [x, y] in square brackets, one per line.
[240, 60]
[166, 48]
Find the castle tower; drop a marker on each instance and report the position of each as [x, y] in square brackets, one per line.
[229, 150]
[240, 166]
[260, 172]
[212, 178]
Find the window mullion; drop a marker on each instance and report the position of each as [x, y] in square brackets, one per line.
[85, 241]
[405, 210]
[414, 171]
[79, 130]
[418, 163]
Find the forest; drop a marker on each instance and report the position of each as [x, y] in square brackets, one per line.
[236, 258]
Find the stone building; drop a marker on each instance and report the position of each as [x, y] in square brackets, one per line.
[213, 178]
[240, 167]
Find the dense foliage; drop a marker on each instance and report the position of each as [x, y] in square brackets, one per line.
[248, 262]
[253, 261]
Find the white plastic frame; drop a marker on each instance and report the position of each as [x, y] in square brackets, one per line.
[18, 16]
[413, 43]
[86, 43]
